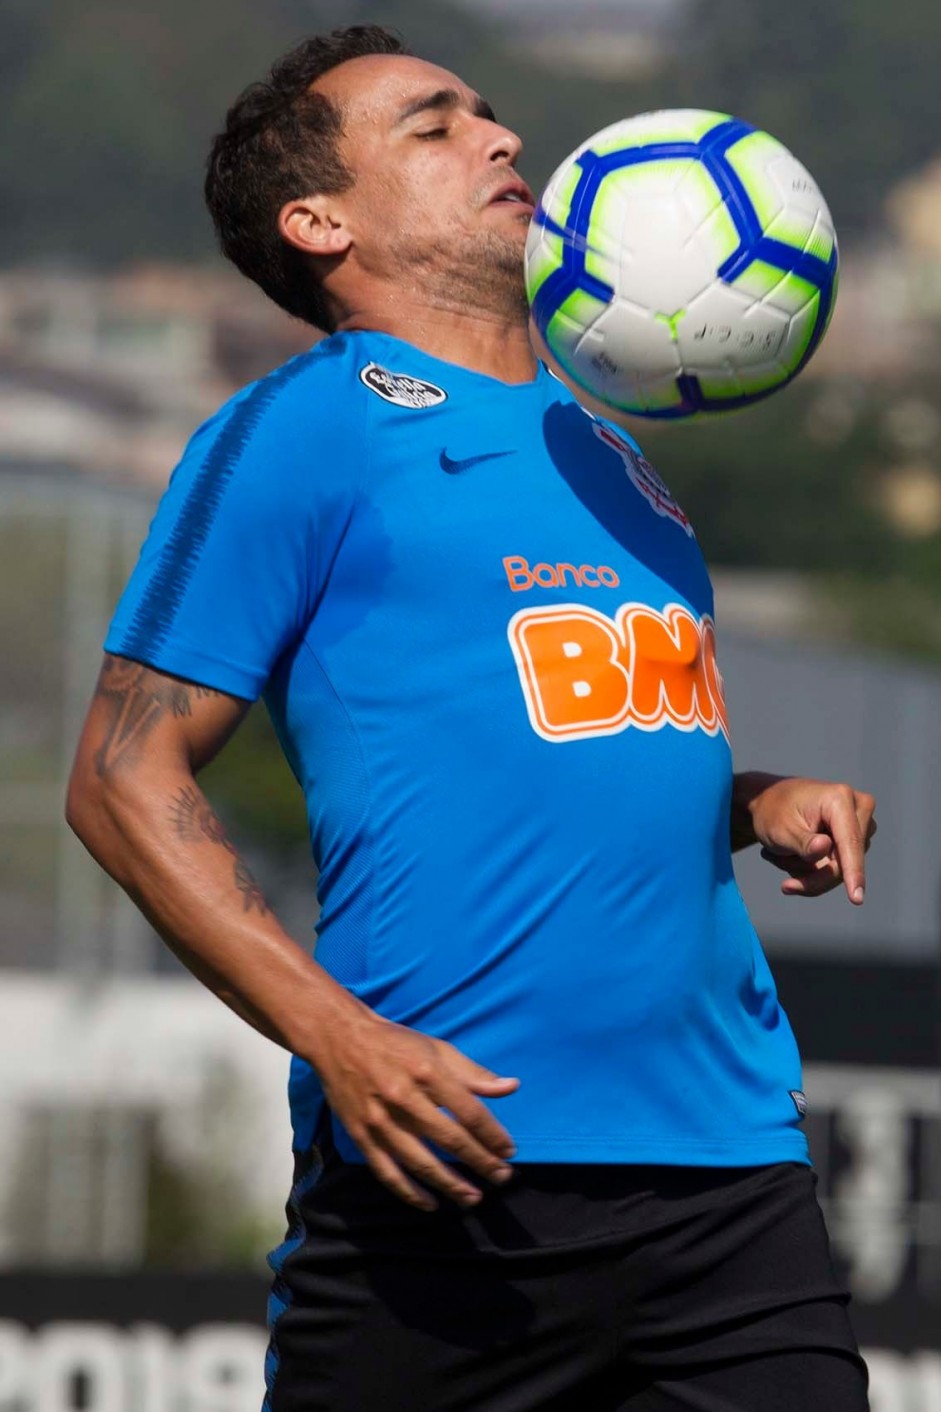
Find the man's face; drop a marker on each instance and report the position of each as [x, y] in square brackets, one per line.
[435, 197]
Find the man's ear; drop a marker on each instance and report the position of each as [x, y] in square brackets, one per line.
[314, 225]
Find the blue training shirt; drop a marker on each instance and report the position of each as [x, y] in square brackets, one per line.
[484, 632]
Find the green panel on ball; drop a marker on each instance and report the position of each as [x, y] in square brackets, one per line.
[561, 338]
[560, 204]
[604, 234]
[700, 191]
[821, 241]
[793, 229]
[578, 311]
[599, 265]
[759, 280]
[744, 382]
[781, 289]
[606, 217]
[647, 179]
[721, 385]
[793, 294]
[667, 126]
[716, 226]
[749, 158]
[757, 380]
[663, 400]
[806, 321]
[542, 260]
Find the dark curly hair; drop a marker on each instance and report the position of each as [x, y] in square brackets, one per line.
[280, 142]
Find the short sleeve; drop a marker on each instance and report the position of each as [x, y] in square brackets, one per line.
[229, 575]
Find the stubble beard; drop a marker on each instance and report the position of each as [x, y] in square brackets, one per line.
[478, 275]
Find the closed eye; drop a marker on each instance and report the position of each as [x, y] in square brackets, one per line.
[433, 132]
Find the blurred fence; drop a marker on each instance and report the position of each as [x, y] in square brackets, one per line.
[66, 547]
[194, 1342]
[124, 1088]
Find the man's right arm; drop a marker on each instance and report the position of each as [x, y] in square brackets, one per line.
[135, 804]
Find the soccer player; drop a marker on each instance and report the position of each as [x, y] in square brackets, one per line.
[546, 1105]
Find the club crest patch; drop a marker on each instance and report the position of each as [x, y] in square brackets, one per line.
[401, 388]
[643, 477]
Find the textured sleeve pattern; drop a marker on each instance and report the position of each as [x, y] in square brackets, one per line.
[227, 578]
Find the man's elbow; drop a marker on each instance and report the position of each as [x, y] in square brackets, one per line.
[94, 808]
[111, 812]
[84, 802]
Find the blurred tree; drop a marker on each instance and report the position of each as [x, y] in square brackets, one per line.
[199, 1213]
[251, 783]
[764, 488]
[110, 107]
[799, 482]
[109, 112]
[851, 86]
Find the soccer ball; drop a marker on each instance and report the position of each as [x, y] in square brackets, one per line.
[681, 262]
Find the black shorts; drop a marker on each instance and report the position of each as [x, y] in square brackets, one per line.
[590, 1288]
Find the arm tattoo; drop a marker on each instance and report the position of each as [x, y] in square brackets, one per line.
[195, 820]
[138, 698]
[252, 895]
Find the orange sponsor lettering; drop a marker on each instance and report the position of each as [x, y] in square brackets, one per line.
[521, 577]
[573, 677]
[583, 675]
[669, 674]
[713, 675]
[517, 572]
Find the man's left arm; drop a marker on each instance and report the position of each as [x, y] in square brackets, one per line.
[814, 830]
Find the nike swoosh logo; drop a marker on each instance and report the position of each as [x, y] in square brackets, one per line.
[454, 468]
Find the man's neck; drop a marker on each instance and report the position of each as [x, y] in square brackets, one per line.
[496, 345]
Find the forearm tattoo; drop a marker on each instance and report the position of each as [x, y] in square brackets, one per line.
[253, 899]
[195, 821]
[138, 699]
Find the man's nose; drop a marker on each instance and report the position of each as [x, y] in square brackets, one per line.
[503, 144]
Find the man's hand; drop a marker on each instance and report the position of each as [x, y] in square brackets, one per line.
[395, 1090]
[815, 831]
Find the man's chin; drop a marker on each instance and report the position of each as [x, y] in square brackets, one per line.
[504, 249]
[483, 269]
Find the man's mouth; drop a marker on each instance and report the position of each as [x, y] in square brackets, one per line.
[514, 193]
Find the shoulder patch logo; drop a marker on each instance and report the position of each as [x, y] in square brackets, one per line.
[643, 477]
[401, 388]
[800, 1101]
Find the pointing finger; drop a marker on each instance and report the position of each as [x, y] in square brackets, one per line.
[848, 841]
